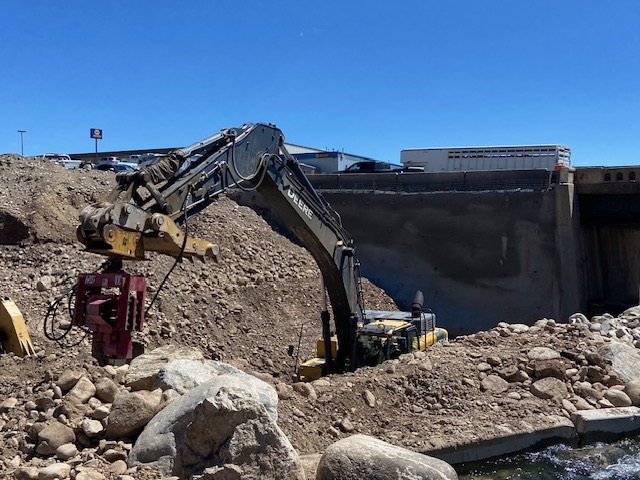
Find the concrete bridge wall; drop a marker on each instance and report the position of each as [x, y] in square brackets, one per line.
[486, 247]
[608, 201]
[479, 258]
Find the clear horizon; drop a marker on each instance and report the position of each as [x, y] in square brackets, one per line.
[367, 78]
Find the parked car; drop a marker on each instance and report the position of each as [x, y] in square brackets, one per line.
[117, 167]
[372, 166]
[124, 167]
[377, 166]
[106, 163]
[62, 159]
[56, 157]
[70, 164]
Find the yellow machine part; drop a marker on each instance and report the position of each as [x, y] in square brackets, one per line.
[334, 347]
[433, 337]
[13, 330]
[311, 369]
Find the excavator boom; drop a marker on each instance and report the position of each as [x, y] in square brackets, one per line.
[141, 212]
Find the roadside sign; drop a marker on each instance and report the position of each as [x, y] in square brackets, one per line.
[96, 133]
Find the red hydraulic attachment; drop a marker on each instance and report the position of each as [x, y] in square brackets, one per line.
[111, 305]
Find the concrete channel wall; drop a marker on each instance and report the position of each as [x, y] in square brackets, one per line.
[585, 427]
[479, 258]
[482, 248]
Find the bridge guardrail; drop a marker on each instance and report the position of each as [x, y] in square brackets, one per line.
[521, 181]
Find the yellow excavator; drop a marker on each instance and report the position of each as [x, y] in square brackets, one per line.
[141, 213]
[14, 336]
[386, 336]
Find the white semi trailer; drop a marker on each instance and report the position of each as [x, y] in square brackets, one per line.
[517, 157]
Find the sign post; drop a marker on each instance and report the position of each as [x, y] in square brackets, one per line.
[97, 134]
[22, 132]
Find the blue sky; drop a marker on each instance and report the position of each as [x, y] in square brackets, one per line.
[366, 77]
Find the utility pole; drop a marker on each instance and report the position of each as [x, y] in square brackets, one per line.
[22, 132]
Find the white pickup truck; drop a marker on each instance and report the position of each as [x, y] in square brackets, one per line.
[62, 159]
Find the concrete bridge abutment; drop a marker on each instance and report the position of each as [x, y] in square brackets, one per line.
[483, 247]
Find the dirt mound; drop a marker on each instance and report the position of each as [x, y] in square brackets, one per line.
[41, 199]
[12, 230]
[247, 309]
[250, 306]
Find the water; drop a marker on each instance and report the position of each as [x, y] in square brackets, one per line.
[615, 461]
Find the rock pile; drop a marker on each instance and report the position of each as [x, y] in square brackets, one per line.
[173, 412]
[513, 378]
[199, 419]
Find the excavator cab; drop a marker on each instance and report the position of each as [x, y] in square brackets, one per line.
[391, 334]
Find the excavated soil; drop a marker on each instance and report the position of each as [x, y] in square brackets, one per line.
[246, 310]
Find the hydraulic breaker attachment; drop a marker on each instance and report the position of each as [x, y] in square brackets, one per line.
[111, 306]
[14, 336]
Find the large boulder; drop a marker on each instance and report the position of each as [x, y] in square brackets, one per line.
[52, 436]
[234, 429]
[624, 360]
[144, 368]
[182, 375]
[494, 384]
[161, 441]
[130, 412]
[618, 398]
[549, 387]
[82, 391]
[542, 353]
[68, 379]
[632, 389]
[554, 367]
[361, 456]
[54, 471]
[106, 389]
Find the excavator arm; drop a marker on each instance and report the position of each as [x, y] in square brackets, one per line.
[143, 211]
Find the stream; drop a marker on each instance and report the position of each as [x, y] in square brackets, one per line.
[614, 461]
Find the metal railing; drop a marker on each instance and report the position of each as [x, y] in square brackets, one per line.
[531, 181]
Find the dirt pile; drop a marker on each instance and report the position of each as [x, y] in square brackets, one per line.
[248, 308]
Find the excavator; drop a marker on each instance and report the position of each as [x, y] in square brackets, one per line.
[143, 212]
